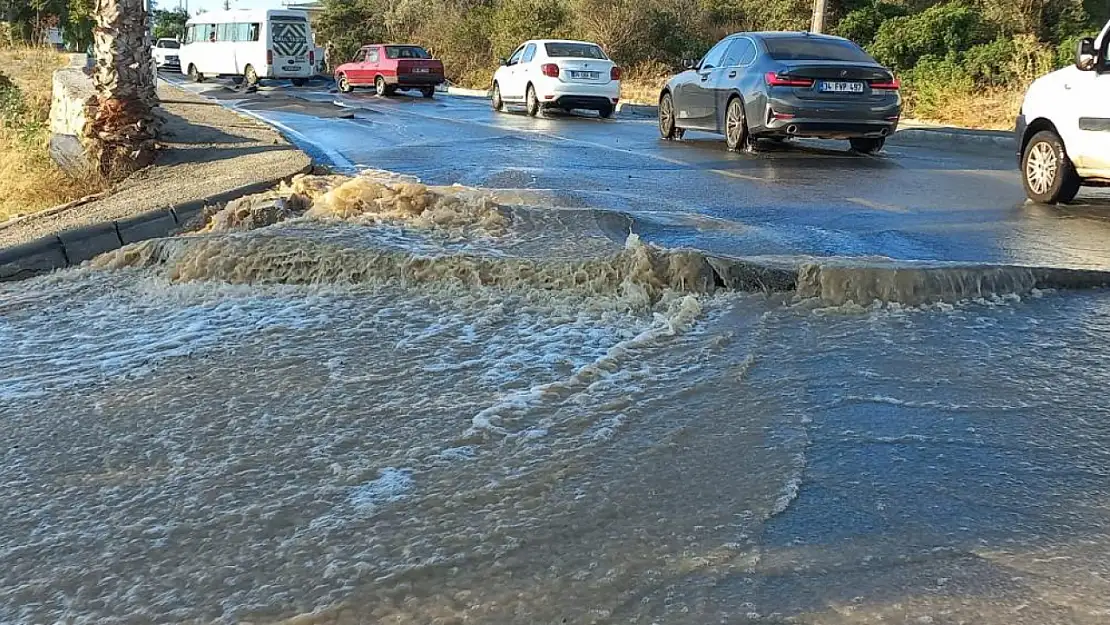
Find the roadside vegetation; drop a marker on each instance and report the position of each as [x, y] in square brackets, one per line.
[965, 62]
[29, 178]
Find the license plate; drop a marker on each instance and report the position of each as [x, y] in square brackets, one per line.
[585, 75]
[420, 70]
[842, 86]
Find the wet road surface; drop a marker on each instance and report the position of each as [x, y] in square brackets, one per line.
[808, 198]
[412, 406]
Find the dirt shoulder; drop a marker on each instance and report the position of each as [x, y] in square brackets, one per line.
[207, 150]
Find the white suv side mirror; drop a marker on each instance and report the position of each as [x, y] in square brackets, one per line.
[1085, 54]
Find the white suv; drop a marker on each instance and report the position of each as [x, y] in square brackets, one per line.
[567, 75]
[1064, 127]
[165, 53]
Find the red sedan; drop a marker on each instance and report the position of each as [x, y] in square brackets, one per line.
[389, 67]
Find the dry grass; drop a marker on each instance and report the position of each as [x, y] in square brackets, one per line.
[29, 179]
[986, 109]
[642, 83]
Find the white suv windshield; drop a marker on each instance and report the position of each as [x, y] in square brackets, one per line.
[574, 50]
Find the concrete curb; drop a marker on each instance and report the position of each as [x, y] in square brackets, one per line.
[947, 137]
[73, 247]
[625, 109]
[921, 135]
[469, 93]
[840, 281]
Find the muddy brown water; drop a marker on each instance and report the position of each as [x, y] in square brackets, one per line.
[319, 421]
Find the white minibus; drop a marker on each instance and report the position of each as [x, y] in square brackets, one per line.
[251, 43]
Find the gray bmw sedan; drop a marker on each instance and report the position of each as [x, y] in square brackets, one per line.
[778, 85]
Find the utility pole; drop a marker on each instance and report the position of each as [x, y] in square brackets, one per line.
[819, 8]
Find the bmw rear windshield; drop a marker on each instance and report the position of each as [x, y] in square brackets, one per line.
[815, 49]
[574, 51]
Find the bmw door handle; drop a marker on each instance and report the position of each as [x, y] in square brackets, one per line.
[732, 74]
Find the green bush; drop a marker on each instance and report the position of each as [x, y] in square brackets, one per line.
[514, 21]
[991, 63]
[674, 37]
[16, 115]
[932, 82]
[943, 49]
[938, 31]
[12, 107]
[347, 25]
[1065, 50]
[862, 24]
[460, 38]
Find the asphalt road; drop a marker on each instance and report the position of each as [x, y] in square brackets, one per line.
[772, 463]
[942, 203]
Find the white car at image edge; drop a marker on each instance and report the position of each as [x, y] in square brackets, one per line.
[1064, 127]
[558, 74]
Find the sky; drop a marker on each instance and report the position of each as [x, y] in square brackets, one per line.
[218, 5]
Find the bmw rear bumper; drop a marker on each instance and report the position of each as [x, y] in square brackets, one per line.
[795, 117]
[829, 129]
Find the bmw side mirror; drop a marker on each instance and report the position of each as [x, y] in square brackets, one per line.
[503, 62]
[692, 64]
[1085, 54]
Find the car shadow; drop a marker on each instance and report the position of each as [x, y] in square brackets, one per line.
[784, 153]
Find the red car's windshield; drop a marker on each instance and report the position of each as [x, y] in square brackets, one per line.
[406, 52]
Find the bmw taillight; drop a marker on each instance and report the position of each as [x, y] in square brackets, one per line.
[269, 57]
[550, 70]
[615, 73]
[887, 85]
[311, 57]
[774, 80]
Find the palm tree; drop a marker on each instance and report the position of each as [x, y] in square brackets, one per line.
[120, 132]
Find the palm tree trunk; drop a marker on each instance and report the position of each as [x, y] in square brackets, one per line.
[120, 132]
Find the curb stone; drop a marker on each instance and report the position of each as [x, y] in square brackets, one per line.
[469, 93]
[637, 110]
[73, 247]
[33, 258]
[915, 135]
[952, 136]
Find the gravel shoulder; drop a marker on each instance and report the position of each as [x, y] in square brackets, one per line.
[207, 149]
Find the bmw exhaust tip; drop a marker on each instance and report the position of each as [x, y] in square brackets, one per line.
[791, 129]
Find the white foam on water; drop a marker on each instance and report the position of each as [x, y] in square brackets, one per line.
[130, 327]
[392, 485]
[680, 314]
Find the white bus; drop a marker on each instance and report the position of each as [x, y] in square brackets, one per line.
[251, 43]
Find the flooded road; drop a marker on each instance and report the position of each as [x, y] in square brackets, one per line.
[936, 201]
[411, 405]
